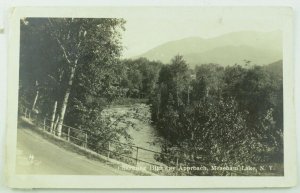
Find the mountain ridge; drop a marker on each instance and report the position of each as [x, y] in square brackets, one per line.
[269, 44]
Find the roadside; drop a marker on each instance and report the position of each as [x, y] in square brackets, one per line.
[36, 155]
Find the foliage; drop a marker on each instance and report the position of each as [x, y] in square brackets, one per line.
[138, 77]
[52, 49]
[234, 116]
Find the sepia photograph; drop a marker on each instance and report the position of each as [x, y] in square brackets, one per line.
[152, 91]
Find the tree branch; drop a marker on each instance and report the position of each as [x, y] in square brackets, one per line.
[61, 45]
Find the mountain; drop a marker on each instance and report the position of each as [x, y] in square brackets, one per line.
[258, 47]
[275, 68]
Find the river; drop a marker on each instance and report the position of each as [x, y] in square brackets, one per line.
[143, 133]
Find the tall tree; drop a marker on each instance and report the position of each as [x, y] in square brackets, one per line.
[82, 42]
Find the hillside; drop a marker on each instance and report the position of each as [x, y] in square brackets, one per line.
[258, 47]
[275, 68]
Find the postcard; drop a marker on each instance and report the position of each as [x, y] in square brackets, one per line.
[150, 97]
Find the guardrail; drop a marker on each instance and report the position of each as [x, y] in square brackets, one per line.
[109, 148]
[131, 155]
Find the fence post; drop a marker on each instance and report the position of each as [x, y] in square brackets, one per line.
[44, 124]
[85, 140]
[68, 133]
[176, 166]
[136, 156]
[108, 153]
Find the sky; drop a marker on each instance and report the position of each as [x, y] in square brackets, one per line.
[148, 27]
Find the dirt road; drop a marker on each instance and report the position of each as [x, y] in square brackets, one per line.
[35, 155]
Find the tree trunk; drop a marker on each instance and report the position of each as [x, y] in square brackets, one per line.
[53, 117]
[207, 92]
[65, 102]
[177, 96]
[157, 113]
[36, 96]
[55, 124]
[158, 104]
[35, 99]
[188, 96]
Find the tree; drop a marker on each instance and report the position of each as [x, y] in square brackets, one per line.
[235, 117]
[209, 75]
[139, 77]
[171, 95]
[40, 66]
[83, 41]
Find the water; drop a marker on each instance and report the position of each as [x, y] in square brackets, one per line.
[143, 134]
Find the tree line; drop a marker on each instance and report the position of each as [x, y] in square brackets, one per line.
[217, 115]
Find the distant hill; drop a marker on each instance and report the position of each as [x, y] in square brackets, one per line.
[276, 68]
[258, 47]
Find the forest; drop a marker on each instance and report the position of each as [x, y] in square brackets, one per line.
[71, 70]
